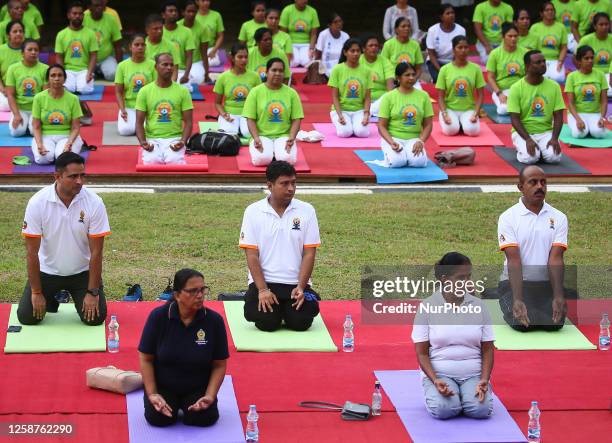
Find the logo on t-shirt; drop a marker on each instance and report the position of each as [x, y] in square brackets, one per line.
[56, 118]
[239, 93]
[300, 25]
[461, 87]
[276, 111]
[495, 22]
[138, 81]
[602, 57]
[99, 36]
[296, 224]
[164, 112]
[550, 42]
[537, 106]
[201, 337]
[261, 71]
[28, 87]
[552, 223]
[409, 115]
[566, 18]
[588, 93]
[76, 49]
[353, 88]
[513, 68]
[404, 57]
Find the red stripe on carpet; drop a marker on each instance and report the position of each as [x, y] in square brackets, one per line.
[598, 161]
[6, 159]
[570, 426]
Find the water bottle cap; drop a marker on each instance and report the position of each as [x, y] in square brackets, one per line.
[377, 384]
[348, 315]
[113, 317]
[534, 403]
[251, 406]
[605, 314]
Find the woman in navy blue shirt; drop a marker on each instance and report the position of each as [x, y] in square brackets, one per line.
[183, 353]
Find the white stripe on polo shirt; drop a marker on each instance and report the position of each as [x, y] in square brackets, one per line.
[534, 235]
[280, 240]
[65, 232]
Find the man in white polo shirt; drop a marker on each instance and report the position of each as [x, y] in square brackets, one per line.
[533, 236]
[280, 236]
[64, 229]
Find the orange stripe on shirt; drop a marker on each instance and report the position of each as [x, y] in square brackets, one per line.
[248, 246]
[314, 245]
[509, 245]
[26, 235]
[561, 245]
[103, 234]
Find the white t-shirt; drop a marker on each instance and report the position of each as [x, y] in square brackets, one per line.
[65, 231]
[280, 240]
[454, 338]
[442, 42]
[331, 48]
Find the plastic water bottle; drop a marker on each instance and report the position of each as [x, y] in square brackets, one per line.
[348, 339]
[113, 335]
[604, 333]
[533, 428]
[252, 431]
[376, 399]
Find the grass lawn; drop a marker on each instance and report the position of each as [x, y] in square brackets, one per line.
[156, 234]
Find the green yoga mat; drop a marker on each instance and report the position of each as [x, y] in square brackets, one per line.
[248, 338]
[588, 142]
[58, 332]
[568, 338]
[214, 126]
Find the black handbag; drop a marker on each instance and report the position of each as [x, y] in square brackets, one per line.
[213, 143]
[350, 411]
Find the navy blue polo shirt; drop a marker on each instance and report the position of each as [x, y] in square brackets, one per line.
[183, 354]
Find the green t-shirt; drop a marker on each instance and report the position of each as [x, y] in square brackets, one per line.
[257, 62]
[247, 32]
[382, 70]
[587, 90]
[134, 76]
[213, 22]
[602, 49]
[397, 52]
[164, 109]
[273, 109]
[31, 30]
[8, 56]
[163, 46]
[352, 84]
[182, 38]
[584, 11]
[235, 89]
[550, 38]
[32, 14]
[535, 104]
[76, 47]
[200, 36]
[27, 81]
[492, 18]
[56, 115]
[565, 13]
[507, 67]
[459, 85]
[405, 112]
[529, 41]
[299, 23]
[107, 31]
[282, 41]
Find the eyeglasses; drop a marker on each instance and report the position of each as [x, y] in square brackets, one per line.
[205, 290]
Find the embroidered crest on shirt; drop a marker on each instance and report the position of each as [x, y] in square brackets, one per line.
[296, 224]
[242, 236]
[552, 223]
[25, 225]
[82, 217]
[502, 238]
[201, 337]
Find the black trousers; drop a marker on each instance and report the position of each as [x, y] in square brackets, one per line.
[537, 297]
[297, 320]
[51, 285]
[206, 417]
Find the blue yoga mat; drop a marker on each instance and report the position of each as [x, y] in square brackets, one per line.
[95, 96]
[491, 111]
[6, 140]
[36, 168]
[196, 94]
[430, 173]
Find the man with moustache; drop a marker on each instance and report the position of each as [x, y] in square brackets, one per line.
[533, 236]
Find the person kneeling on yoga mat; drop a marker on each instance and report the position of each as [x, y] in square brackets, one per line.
[183, 356]
[455, 349]
[280, 236]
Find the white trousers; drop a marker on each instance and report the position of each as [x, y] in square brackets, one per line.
[54, 144]
[238, 126]
[609, 84]
[4, 104]
[126, 128]
[273, 148]
[543, 151]
[197, 73]
[502, 108]
[108, 67]
[375, 107]
[76, 81]
[300, 55]
[353, 124]
[405, 157]
[215, 61]
[187, 85]
[162, 153]
[552, 73]
[590, 123]
[460, 120]
[25, 126]
[483, 52]
[572, 44]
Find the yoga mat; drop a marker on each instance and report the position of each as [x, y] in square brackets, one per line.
[228, 428]
[491, 111]
[34, 168]
[214, 126]
[245, 165]
[222, 67]
[568, 337]
[95, 96]
[486, 137]
[110, 136]
[247, 337]
[568, 63]
[587, 142]
[194, 163]
[58, 332]
[430, 173]
[6, 139]
[331, 140]
[406, 393]
[567, 166]
[196, 94]
[5, 116]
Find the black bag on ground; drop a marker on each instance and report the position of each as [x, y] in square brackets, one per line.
[213, 143]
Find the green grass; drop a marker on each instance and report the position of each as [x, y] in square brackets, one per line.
[156, 234]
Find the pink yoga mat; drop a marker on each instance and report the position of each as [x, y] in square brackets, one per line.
[331, 140]
[195, 163]
[5, 116]
[486, 137]
[245, 164]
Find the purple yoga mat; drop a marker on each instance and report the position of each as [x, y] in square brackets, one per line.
[569, 63]
[406, 393]
[227, 430]
[35, 168]
[221, 68]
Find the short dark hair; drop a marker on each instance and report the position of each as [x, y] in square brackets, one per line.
[27, 41]
[259, 34]
[182, 276]
[75, 5]
[458, 39]
[161, 54]
[399, 21]
[523, 172]
[517, 13]
[55, 65]
[582, 51]
[528, 54]
[449, 263]
[279, 168]
[137, 35]
[236, 47]
[271, 10]
[153, 18]
[168, 3]
[68, 158]
[403, 67]
[333, 16]
[274, 60]
[507, 27]
[444, 7]
[256, 3]
[12, 23]
[189, 3]
[366, 38]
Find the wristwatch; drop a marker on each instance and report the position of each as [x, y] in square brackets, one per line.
[93, 291]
